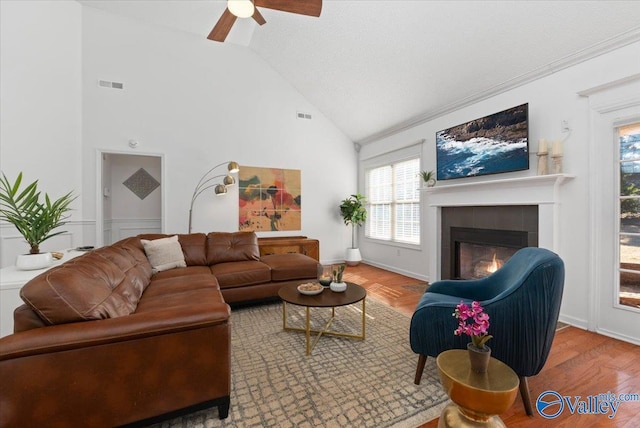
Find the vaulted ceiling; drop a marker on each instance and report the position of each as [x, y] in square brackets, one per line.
[373, 67]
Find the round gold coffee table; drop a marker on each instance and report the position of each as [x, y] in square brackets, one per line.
[327, 299]
[478, 397]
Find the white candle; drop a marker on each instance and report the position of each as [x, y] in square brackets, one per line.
[556, 149]
[542, 146]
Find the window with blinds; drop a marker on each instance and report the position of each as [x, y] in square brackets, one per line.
[393, 198]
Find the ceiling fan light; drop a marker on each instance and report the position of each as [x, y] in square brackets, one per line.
[241, 8]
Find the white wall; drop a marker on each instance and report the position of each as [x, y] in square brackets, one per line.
[40, 108]
[197, 102]
[202, 103]
[551, 99]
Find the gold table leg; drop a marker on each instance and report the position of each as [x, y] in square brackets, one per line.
[325, 330]
[308, 331]
[364, 317]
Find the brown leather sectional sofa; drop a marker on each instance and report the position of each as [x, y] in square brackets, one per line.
[103, 342]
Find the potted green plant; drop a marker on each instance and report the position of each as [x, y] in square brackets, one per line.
[428, 177]
[337, 284]
[35, 220]
[353, 213]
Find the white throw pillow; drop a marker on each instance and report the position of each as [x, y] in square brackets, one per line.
[164, 253]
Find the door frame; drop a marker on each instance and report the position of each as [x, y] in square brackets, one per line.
[100, 186]
[609, 108]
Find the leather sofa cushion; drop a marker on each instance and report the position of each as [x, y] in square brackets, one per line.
[194, 246]
[25, 319]
[168, 285]
[285, 267]
[237, 274]
[223, 247]
[105, 283]
[176, 293]
[182, 273]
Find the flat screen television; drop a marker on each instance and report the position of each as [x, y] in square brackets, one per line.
[490, 145]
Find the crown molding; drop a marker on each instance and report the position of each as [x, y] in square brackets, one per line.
[609, 85]
[582, 55]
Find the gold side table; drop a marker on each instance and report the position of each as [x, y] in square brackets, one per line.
[479, 397]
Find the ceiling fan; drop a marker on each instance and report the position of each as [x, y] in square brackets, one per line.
[249, 8]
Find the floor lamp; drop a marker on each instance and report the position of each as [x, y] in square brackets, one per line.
[219, 189]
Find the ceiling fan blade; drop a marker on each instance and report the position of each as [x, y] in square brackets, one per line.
[302, 7]
[222, 27]
[257, 16]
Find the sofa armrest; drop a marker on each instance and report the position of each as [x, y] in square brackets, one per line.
[117, 371]
[77, 335]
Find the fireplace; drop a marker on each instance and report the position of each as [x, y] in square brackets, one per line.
[523, 202]
[476, 253]
[471, 235]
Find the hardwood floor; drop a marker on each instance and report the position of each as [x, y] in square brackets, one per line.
[581, 363]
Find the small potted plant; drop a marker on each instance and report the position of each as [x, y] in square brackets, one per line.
[337, 284]
[428, 177]
[35, 220]
[474, 321]
[353, 213]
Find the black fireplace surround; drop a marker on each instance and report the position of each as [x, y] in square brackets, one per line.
[480, 233]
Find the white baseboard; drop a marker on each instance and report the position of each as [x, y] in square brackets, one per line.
[573, 321]
[396, 270]
[381, 266]
[618, 336]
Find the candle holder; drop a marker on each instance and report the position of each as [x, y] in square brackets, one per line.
[557, 164]
[543, 163]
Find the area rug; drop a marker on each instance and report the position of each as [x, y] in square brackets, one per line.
[344, 382]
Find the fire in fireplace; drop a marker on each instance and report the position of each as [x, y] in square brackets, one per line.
[477, 253]
[478, 261]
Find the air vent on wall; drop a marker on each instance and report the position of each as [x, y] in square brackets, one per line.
[107, 84]
[303, 115]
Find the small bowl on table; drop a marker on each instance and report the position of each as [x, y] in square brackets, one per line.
[310, 288]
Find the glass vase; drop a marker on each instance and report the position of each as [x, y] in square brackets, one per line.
[324, 275]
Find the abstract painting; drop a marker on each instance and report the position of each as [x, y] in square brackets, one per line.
[269, 199]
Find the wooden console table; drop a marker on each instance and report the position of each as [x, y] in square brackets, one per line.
[290, 244]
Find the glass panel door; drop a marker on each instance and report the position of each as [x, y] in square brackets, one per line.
[629, 215]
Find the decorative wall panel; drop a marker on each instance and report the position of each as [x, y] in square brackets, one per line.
[141, 183]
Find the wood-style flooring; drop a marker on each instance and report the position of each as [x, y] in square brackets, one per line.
[581, 363]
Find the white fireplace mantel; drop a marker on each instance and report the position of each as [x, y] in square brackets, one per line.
[540, 190]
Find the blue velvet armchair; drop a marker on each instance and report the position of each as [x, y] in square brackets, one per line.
[523, 300]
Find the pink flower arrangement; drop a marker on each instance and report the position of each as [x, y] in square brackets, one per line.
[472, 321]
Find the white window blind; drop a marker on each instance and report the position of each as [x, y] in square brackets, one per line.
[394, 202]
